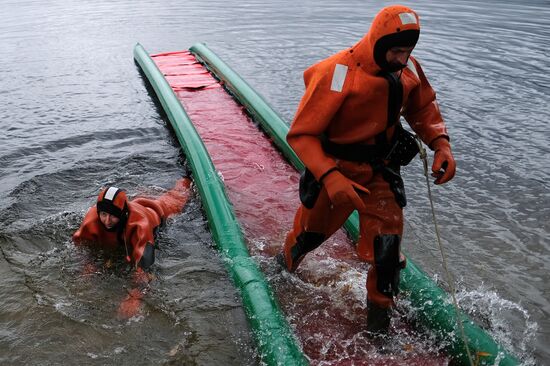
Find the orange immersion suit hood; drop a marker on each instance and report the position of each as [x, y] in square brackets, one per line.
[393, 26]
[113, 201]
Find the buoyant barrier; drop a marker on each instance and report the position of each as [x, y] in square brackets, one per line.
[433, 306]
[276, 342]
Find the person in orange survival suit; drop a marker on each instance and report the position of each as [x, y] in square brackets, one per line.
[115, 221]
[347, 131]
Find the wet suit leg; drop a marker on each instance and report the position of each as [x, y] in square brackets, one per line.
[169, 203]
[311, 228]
[381, 230]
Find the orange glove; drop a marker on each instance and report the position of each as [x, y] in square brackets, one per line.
[444, 166]
[342, 190]
[131, 306]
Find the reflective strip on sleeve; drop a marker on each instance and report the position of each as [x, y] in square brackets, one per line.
[412, 67]
[110, 194]
[338, 78]
[407, 18]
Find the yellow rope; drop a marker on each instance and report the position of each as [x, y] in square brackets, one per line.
[450, 280]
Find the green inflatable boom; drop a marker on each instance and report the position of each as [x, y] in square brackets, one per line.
[274, 337]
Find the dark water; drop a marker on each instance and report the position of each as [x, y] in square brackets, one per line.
[76, 115]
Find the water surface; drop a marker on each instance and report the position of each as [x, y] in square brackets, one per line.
[77, 115]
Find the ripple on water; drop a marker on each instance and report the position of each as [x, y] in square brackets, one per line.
[76, 115]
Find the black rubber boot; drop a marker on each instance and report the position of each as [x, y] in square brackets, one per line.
[378, 320]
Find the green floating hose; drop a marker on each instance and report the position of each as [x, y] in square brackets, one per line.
[276, 342]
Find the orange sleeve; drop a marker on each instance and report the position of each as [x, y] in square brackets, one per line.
[140, 235]
[88, 229]
[318, 106]
[422, 111]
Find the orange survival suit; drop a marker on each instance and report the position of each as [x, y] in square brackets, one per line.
[139, 220]
[347, 132]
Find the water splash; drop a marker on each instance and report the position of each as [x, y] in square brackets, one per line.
[508, 322]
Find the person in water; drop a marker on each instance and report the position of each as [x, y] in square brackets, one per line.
[115, 221]
[348, 133]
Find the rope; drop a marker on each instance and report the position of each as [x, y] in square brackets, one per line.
[450, 280]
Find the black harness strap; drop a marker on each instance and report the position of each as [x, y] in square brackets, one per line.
[366, 153]
[395, 99]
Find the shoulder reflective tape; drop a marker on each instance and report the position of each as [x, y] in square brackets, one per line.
[110, 194]
[407, 18]
[412, 67]
[338, 78]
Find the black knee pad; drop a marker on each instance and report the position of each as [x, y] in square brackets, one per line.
[306, 242]
[386, 260]
[148, 257]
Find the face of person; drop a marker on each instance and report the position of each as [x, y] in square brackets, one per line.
[398, 56]
[108, 220]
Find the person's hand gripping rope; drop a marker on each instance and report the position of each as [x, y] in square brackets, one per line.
[444, 166]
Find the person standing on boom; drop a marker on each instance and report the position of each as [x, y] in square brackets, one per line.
[348, 133]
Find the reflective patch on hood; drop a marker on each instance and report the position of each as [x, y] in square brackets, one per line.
[112, 200]
[110, 194]
[339, 77]
[407, 18]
